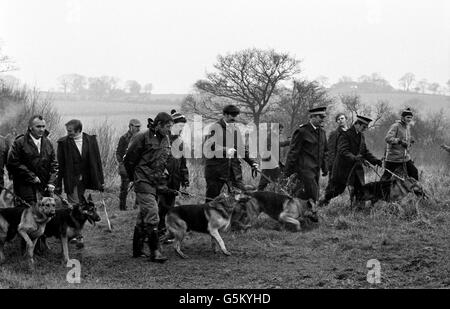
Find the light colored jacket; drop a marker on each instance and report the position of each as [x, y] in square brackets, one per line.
[395, 152]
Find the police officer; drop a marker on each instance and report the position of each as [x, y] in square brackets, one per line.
[348, 166]
[145, 162]
[307, 154]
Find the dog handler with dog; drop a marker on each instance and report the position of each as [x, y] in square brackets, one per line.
[145, 162]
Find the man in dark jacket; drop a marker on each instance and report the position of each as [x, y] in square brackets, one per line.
[80, 165]
[308, 154]
[341, 120]
[348, 166]
[32, 161]
[226, 167]
[145, 162]
[177, 173]
[133, 128]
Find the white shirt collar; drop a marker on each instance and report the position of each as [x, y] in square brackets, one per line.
[315, 128]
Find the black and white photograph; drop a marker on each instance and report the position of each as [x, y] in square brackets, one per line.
[224, 150]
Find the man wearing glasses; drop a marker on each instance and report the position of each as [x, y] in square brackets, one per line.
[307, 155]
[124, 141]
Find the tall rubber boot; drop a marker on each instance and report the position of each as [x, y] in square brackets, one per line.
[138, 242]
[155, 248]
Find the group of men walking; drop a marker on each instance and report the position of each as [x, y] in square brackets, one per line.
[145, 158]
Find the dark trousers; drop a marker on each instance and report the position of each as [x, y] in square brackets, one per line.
[273, 174]
[124, 184]
[399, 169]
[26, 192]
[334, 188]
[165, 203]
[215, 182]
[307, 188]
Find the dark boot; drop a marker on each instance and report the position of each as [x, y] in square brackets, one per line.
[138, 242]
[155, 248]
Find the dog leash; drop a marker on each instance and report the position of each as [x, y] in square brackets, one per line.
[390, 172]
[16, 197]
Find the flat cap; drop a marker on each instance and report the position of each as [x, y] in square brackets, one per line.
[407, 112]
[231, 109]
[135, 122]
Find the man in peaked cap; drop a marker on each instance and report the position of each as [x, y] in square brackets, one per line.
[348, 165]
[398, 145]
[307, 154]
[134, 127]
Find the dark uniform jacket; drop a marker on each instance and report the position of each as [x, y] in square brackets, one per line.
[25, 162]
[226, 168]
[72, 165]
[351, 144]
[332, 147]
[146, 160]
[308, 152]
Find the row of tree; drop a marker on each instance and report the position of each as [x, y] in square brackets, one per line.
[100, 87]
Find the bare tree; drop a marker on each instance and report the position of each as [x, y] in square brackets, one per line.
[406, 81]
[148, 88]
[249, 77]
[422, 85]
[303, 96]
[64, 82]
[353, 105]
[133, 87]
[434, 88]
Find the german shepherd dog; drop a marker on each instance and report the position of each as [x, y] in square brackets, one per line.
[69, 222]
[390, 190]
[27, 221]
[209, 218]
[280, 207]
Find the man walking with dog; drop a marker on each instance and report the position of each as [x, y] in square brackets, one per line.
[226, 168]
[348, 166]
[80, 164]
[32, 161]
[177, 173]
[307, 155]
[145, 162]
[398, 145]
[133, 128]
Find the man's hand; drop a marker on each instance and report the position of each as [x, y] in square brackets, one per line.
[403, 144]
[231, 152]
[255, 170]
[36, 180]
[51, 188]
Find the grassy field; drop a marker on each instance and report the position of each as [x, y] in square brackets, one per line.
[410, 240]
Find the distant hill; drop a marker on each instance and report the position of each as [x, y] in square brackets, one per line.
[399, 99]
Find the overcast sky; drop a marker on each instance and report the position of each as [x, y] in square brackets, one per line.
[171, 43]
